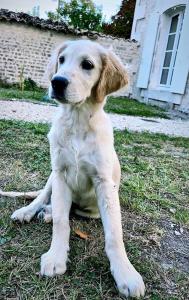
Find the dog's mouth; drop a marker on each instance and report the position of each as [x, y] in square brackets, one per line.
[59, 98]
[62, 99]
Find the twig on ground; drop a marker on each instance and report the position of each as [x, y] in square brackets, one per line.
[26, 195]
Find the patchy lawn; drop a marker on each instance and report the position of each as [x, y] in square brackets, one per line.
[154, 195]
[119, 105]
[14, 93]
[131, 107]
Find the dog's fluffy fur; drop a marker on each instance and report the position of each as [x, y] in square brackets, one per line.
[85, 167]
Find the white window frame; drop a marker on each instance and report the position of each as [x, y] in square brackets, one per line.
[174, 51]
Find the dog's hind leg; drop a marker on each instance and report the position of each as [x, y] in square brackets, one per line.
[26, 213]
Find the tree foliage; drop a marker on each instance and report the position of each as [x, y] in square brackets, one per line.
[121, 23]
[81, 14]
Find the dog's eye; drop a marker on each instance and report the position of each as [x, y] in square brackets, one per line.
[61, 59]
[87, 65]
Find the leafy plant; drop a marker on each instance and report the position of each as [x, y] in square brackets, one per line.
[24, 84]
[31, 85]
[80, 14]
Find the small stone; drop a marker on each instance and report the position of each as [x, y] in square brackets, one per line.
[181, 230]
[177, 233]
[172, 210]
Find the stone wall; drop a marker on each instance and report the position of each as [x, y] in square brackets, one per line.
[28, 49]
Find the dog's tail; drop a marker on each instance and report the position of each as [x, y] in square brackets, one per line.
[26, 195]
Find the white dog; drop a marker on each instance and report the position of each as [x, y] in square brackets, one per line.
[85, 167]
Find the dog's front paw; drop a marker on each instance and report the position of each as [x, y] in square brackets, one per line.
[23, 214]
[45, 214]
[129, 281]
[52, 264]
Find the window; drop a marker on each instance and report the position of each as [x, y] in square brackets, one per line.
[171, 49]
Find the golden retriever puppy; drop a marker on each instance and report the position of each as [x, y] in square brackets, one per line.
[85, 167]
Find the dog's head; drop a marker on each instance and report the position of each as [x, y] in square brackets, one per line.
[82, 69]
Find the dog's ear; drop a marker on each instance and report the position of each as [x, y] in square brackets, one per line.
[112, 78]
[52, 66]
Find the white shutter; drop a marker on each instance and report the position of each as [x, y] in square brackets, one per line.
[148, 50]
[181, 68]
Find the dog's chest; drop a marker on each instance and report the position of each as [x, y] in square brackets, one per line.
[74, 153]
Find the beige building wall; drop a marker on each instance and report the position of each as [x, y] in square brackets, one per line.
[142, 25]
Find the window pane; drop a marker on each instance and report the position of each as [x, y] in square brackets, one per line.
[167, 59]
[174, 24]
[164, 76]
[170, 42]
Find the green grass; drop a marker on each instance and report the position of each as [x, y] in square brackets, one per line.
[155, 174]
[119, 105]
[126, 106]
[155, 178]
[14, 93]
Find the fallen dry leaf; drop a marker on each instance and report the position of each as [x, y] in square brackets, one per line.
[81, 234]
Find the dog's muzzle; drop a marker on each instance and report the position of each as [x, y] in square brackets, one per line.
[59, 85]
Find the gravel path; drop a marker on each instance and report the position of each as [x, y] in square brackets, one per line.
[31, 112]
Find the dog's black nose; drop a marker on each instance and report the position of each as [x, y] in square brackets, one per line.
[59, 84]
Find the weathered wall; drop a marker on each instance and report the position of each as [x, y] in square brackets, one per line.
[29, 48]
[25, 47]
